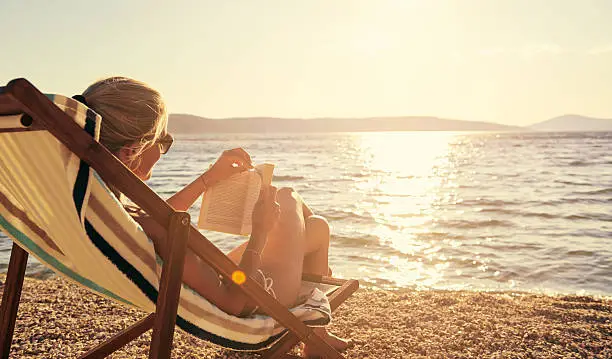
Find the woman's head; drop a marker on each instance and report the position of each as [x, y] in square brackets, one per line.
[134, 121]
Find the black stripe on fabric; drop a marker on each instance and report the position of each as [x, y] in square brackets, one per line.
[123, 265]
[90, 122]
[80, 185]
[224, 342]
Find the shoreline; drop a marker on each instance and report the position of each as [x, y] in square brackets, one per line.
[48, 274]
[57, 319]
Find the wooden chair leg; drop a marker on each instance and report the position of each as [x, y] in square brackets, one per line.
[11, 297]
[120, 339]
[170, 286]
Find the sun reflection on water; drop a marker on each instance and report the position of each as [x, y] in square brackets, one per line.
[410, 176]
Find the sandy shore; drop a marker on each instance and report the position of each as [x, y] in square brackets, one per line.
[59, 320]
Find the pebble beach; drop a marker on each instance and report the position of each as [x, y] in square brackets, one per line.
[57, 319]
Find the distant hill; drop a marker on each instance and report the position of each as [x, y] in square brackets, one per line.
[183, 123]
[574, 123]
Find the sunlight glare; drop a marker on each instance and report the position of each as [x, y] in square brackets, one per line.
[408, 171]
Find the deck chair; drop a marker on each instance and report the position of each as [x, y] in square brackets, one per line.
[55, 205]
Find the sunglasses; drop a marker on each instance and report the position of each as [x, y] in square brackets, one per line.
[165, 142]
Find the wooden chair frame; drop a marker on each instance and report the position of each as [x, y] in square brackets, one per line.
[39, 113]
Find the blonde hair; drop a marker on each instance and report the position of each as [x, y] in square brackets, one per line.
[132, 113]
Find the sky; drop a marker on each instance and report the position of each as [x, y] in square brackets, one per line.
[515, 62]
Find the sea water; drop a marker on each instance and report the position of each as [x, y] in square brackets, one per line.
[435, 210]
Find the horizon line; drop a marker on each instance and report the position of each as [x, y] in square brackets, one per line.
[382, 117]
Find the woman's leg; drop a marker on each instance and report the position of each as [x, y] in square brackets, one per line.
[283, 254]
[297, 244]
[317, 246]
[316, 262]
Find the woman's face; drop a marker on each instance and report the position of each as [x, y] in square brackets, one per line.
[147, 161]
[143, 165]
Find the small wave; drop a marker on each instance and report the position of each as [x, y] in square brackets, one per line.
[593, 233]
[580, 253]
[498, 211]
[565, 201]
[596, 192]
[357, 241]
[340, 214]
[429, 236]
[511, 212]
[573, 183]
[579, 164]
[590, 217]
[573, 217]
[288, 178]
[539, 215]
[391, 195]
[476, 224]
[365, 174]
[359, 175]
[489, 202]
[392, 226]
[332, 180]
[512, 246]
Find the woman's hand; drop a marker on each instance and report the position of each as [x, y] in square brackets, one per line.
[229, 163]
[266, 211]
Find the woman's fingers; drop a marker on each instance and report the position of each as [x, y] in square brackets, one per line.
[240, 154]
[237, 162]
[237, 167]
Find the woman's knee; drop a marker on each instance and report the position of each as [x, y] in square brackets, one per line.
[317, 226]
[291, 218]
[286, 194]
[288, 200]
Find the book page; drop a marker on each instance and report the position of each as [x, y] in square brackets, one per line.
[228, 205]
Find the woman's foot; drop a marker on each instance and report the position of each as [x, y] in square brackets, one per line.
[336, 342]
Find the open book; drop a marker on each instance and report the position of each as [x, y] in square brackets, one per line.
[228, 205]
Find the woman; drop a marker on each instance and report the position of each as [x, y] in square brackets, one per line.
[287, 238]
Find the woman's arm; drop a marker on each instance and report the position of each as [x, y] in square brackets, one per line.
[229, 163]
[183, 199]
